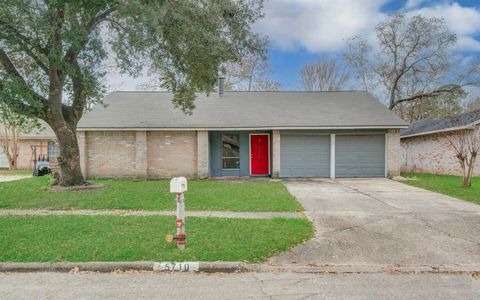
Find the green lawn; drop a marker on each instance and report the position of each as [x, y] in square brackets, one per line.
[120, 238]
[215, 195]
[447, 184]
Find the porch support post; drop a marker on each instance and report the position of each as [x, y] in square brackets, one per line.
[275, 153]
[202, 154]
[332, 156]
[141, 164]
[82, 147]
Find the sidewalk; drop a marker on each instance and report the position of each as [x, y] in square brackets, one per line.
[118, 212]
[5, 178]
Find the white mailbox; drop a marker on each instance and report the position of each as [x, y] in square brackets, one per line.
[178, 185]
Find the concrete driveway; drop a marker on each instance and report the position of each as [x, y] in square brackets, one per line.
[383, 222]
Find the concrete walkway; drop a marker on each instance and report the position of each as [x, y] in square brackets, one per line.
[85, 212]
[382, 222]
[5, 178]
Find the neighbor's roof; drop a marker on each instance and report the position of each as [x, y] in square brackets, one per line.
[429, 126]
[43, 133]
[242, 110]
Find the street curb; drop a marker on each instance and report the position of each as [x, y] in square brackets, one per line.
[237, 267]
[372, 269]
[104, 267]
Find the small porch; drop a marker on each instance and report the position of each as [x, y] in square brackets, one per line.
[241, 153]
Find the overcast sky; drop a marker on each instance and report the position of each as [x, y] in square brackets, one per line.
[302, 31]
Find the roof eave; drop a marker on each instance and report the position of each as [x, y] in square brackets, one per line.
[240, 128]
[468, 126]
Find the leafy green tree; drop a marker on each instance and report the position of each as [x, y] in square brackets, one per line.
[62, 44]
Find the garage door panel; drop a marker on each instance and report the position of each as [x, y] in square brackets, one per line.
[360, 156]
[304, 155]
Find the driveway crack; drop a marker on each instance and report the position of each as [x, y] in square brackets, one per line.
[369, 195]
[427, 224]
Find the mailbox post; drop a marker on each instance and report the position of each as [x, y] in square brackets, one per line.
[178, 186]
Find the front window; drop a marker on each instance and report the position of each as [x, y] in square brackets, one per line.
[53, 149]
[231, 151]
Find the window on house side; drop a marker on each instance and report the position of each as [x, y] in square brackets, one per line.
[53, 149]
[231, 151]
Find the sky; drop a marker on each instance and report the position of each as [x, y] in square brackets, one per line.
[304, 31]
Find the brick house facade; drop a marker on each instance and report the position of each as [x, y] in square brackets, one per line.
[38, 142]
[240, 134]
[144, 154]
[431, 154]
[165, 154]
[425, 146]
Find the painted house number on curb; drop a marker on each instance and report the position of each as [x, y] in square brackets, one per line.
[176, 266]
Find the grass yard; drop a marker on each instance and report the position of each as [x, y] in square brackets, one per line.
[119, 238]
[248, 195]
[447, 184]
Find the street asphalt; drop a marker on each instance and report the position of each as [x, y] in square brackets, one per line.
[236, 286]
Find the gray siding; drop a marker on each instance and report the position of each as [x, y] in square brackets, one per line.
[216, 153]
[360, 155]
[304, 155]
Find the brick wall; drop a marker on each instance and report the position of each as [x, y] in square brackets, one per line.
[202, 154]
[276, 153]
[431, 154]
[110, 154]
[172, 153]
[393, 152]
[140, 154]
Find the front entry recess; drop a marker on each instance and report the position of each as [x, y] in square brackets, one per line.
[260, 154]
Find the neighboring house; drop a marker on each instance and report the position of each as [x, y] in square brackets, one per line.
[425, 147]
[231, 134]
[43, 140]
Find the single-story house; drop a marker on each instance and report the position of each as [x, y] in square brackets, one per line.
[232, 134]
[425, 146]
[39, 142]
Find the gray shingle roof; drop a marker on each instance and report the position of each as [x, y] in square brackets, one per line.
[248, 110]
[435, 125]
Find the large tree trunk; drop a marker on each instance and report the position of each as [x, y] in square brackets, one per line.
[70, 170]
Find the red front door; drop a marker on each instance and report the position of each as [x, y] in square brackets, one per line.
[259, 154]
